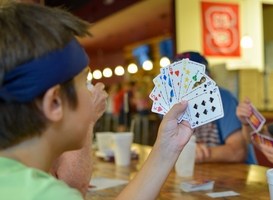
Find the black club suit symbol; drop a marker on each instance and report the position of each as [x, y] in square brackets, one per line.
[213, 108]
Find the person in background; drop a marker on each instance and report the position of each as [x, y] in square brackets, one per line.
[220, 140]
[109, 119]
[127, 106]
[142, 101]
[244, 110]
[44, 118]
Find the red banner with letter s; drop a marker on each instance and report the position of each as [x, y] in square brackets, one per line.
[221, 35]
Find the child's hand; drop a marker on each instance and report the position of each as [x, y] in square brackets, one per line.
[243, 110]
[99, 100]
[173, 134]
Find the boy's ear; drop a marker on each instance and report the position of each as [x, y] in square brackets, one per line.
[52, 104]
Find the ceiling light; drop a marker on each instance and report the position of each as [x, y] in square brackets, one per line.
[107, 72]
[119, 70]
[164, 61]
[246, 42]
[132, 68]
[108, 2]
[147, 65]
[97, 74]
[89, 76]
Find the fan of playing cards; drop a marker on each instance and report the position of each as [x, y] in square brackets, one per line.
[186, 80]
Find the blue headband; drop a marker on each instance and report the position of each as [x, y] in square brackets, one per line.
[24, 83]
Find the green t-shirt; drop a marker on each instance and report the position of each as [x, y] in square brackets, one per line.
[18, 181]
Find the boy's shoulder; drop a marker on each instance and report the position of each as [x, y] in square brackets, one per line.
[18, 181]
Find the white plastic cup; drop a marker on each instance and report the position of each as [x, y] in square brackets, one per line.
[122, 148]
[104, 140]
[184, 165]
[269, 174]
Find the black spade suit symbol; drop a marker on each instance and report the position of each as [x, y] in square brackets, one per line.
[203, 103]
[197, 115]
[205, 111]
[195, 106]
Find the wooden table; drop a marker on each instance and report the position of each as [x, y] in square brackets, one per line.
[248, 180]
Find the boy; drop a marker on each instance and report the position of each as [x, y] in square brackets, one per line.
[45, 107]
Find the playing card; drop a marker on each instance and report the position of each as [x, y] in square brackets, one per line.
[176, 75]
[222, 194]
[202, 80]
[157, 108]
[256, 139]
[204, 107]
[156, 95]
[256, 120]
[167, 83]
[161, 89]
[268, 141]
[190, 70]
[196, 185]
[184, 68]
[197, 91]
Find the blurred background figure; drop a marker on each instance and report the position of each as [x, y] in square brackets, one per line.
[142, 101]
[143, 109]
[125, 105]
[110, 121]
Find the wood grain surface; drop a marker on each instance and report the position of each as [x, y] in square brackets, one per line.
[248, 180]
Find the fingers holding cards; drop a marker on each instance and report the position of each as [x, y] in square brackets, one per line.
[258, 139]
[186, 80]
[256, 119]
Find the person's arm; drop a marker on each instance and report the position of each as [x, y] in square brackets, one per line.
[75, 167]
[171, 139]
[234, 150]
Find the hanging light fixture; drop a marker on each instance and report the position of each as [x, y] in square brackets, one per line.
[107, 72]
[132, 68]
[88, 80]
[97, 74]
[166, 52]
[147, 65]
[164, 61]
[246, 40]
[89, 76]
[141, 54]
[119, 70]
